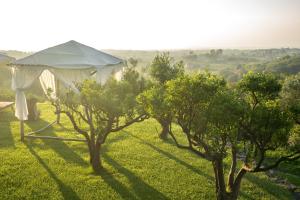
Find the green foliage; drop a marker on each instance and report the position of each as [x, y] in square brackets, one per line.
[260, 86]
[162, 69]
[206, 109]
[134, 80]
[268, 126]
[216, 119]
[287, 64]
[290, 99]
[294, 139]
[188, 97]
[215, 53]
[154, 102]
[187, 90]
[291, 95]
[99, 110]
[114, 99]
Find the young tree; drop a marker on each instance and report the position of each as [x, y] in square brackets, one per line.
[100, 110]
[290, 95]
[290, 99]
[267, 125]
[154, 103]
[217, 123]
[162, 69]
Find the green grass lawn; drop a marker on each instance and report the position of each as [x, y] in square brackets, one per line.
[138, 165]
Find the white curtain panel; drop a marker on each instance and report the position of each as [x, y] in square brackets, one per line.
[47, 81]
[70, 77]
[22, 79]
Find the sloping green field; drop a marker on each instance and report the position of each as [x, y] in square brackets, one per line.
[138, 166]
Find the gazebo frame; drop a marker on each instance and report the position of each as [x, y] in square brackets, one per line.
[67, 56]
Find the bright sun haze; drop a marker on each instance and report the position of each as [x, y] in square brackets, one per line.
[138, 24]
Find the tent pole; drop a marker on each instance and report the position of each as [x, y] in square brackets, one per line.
[22, 130]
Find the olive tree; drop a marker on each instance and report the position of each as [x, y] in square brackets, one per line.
[162, 69]
[267, 125]
[219, 122]
[154, 103]
[99, 110]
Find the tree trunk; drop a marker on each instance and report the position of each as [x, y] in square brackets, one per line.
[95, 159]
[219, 180]
[231, 173]
[237, 184]
[91, 151]
[165, 125]
[221, 192]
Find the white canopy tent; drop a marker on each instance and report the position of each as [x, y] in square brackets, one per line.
[68, 63]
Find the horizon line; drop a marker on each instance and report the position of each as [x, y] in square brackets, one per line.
[169, 49]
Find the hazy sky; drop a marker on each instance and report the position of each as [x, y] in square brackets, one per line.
[33, 25]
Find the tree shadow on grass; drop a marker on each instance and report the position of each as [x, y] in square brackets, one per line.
[171, 156]
[267, 186]
[117, 186]
[190, 167]
[109, 141]
[60, 147]
[6, 136]
[141, 189]
[66, 191]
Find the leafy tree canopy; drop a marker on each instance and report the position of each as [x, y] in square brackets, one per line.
[217, 120]
[99, 110]
[163, 69]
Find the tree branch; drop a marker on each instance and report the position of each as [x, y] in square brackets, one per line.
[190, 148]
[71, 117]
[79, 113]
[233, 166]
[238, 179]
[255, 100]
[261, 159]
[140, 118]
[102, 138]
[289, 158]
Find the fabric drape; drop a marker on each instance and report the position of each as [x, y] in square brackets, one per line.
[47, 81]
[22, 79]
[70, 63]
[70, 77]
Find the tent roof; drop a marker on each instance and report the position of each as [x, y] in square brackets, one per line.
[69, 55]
